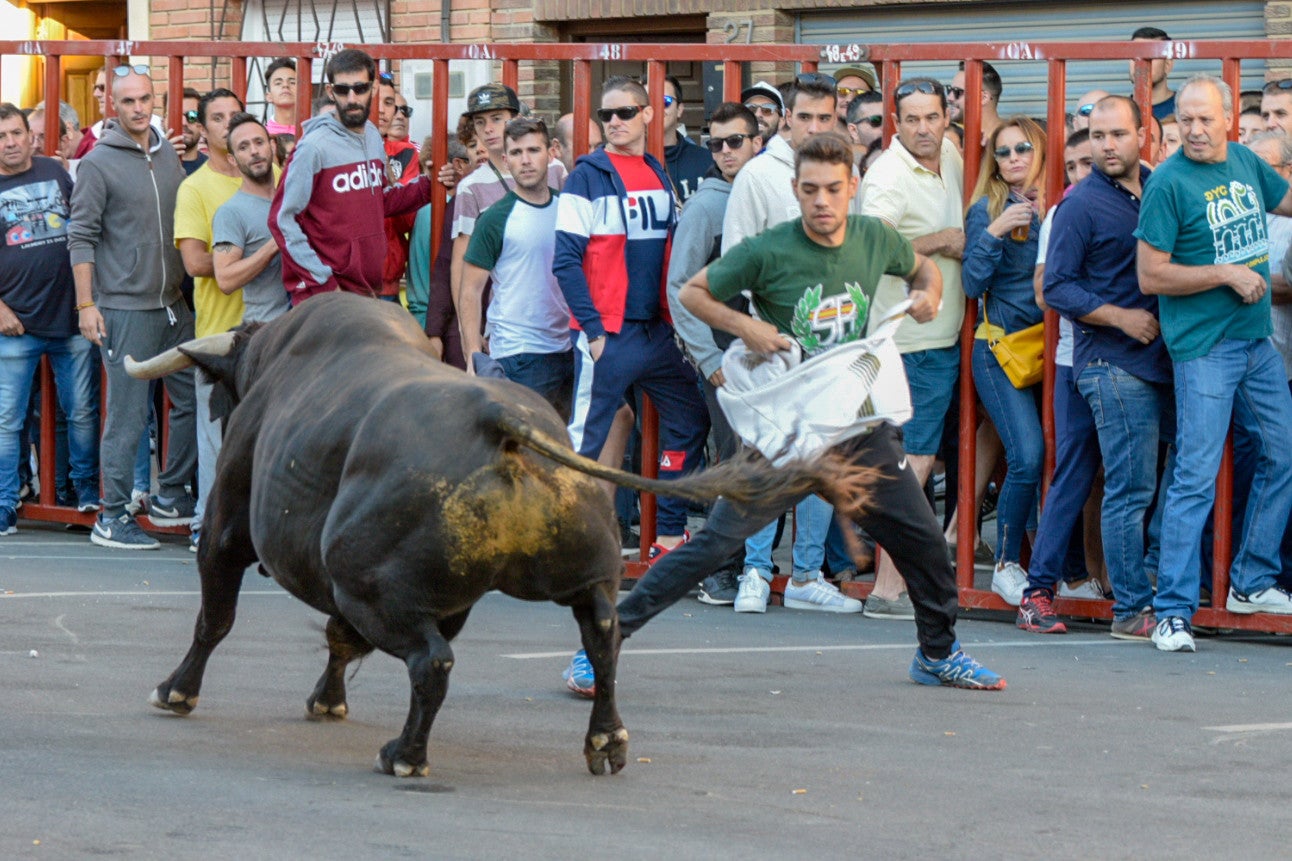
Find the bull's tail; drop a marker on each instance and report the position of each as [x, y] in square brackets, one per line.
[745, 480]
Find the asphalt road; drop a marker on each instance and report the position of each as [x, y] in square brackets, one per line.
[790, 735]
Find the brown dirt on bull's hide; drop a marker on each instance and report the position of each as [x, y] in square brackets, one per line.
[512, 508]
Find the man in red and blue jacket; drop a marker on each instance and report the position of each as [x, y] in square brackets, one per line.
[615, 222]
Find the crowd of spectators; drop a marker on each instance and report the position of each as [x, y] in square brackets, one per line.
[563, 274]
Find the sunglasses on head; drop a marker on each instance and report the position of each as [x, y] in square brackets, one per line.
[406, 110]
[956, 92]
[928, 88]
[766, 109]
[625, 114]
[1285, 84]
[1020, 148]
[123, 71]
[191, 116]
[732, 142]
[848, 92]
[357, 89]
[815, 78]
[386, 77]
[1086, 110]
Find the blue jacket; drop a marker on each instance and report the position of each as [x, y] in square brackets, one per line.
[1091, 262]
[1002, 268]
[603, 274]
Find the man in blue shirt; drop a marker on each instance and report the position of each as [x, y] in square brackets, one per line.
[1119, 357]
[1204, 251]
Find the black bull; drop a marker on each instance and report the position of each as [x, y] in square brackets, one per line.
[391, 491]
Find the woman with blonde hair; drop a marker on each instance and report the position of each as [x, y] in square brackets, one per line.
[1001, 228]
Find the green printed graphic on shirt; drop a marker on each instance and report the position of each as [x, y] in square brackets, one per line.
[821, 297]
[1205, 214]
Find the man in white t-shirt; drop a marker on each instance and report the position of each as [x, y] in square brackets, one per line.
[513, 242]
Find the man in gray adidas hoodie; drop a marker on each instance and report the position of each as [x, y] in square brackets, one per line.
[127, 273]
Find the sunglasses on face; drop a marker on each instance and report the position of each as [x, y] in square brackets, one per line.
[406, 110]
[928, 88]
[1020, 148]
[765, 110]
[191, 116]
[357, 89]
[814, 78]
[873, 121]
[849, 92]
[669, 101]
[123, 71]
[956, 92]
[625, 114]
[732, 142]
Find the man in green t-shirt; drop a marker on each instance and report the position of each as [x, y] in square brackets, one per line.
[1204, 251]
[813, 279]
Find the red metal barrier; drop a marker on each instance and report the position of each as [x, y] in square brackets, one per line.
[887, 60]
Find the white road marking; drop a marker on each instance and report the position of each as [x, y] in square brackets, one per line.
[133, 559]
[1249, 727]
[150, 593]
[58, 623]
[858, 647]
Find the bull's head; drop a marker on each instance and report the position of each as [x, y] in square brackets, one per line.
[217, 355]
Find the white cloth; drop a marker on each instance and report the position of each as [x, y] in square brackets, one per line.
[789, 409]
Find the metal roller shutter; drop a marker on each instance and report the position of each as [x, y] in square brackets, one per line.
[1024, 82]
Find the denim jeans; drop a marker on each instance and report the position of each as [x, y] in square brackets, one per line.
[812, 519]
[1017, 417]
[70, 360]
[1242, 380]
[1128, 416]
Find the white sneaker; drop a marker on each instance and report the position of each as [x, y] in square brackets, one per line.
[1275, 600]
[1173, 634]
[816, 594]
[1008, 581]
[754, 592]
[1087, 591]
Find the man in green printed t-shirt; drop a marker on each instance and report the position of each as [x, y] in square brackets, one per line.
[813, 279]
[1204, 252]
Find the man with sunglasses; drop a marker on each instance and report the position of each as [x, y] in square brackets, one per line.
[851, 82]
[687, 163]
[615, 220]
[102, 95]
[1276, 106]
[761, 198]
[128, 272]
[401, 168]
[765, 102]
[191, 135]
[865, 123]
[329, 211]
[1085, 105]
[991, 90]
[916, 187]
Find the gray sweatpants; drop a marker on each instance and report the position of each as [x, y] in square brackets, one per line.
[142, 335]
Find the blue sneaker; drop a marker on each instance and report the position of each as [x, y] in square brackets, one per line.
[8, 521]
[579, 676]
[957, 670]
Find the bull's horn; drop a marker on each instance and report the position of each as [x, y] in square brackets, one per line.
[174, 360]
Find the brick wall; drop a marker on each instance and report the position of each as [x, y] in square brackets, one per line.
[1278, 26]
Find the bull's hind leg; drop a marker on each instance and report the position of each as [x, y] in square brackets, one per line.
[607, 740]
[344, 645]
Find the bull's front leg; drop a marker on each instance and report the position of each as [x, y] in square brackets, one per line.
[607, 740]
[220, 585]
[344, 645]
[428, 672]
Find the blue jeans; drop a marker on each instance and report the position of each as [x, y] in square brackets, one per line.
[549, 374]
[812, 519]
[70, 359]
[1242, 380]
[1128, 414]
[1017, 417]
[1059, 550]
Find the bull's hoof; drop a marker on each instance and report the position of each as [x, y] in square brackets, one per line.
[388, 763]
[603, 749]
[172, 701]
[315, 710]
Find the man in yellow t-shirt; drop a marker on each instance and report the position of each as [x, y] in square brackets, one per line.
[199, 197]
